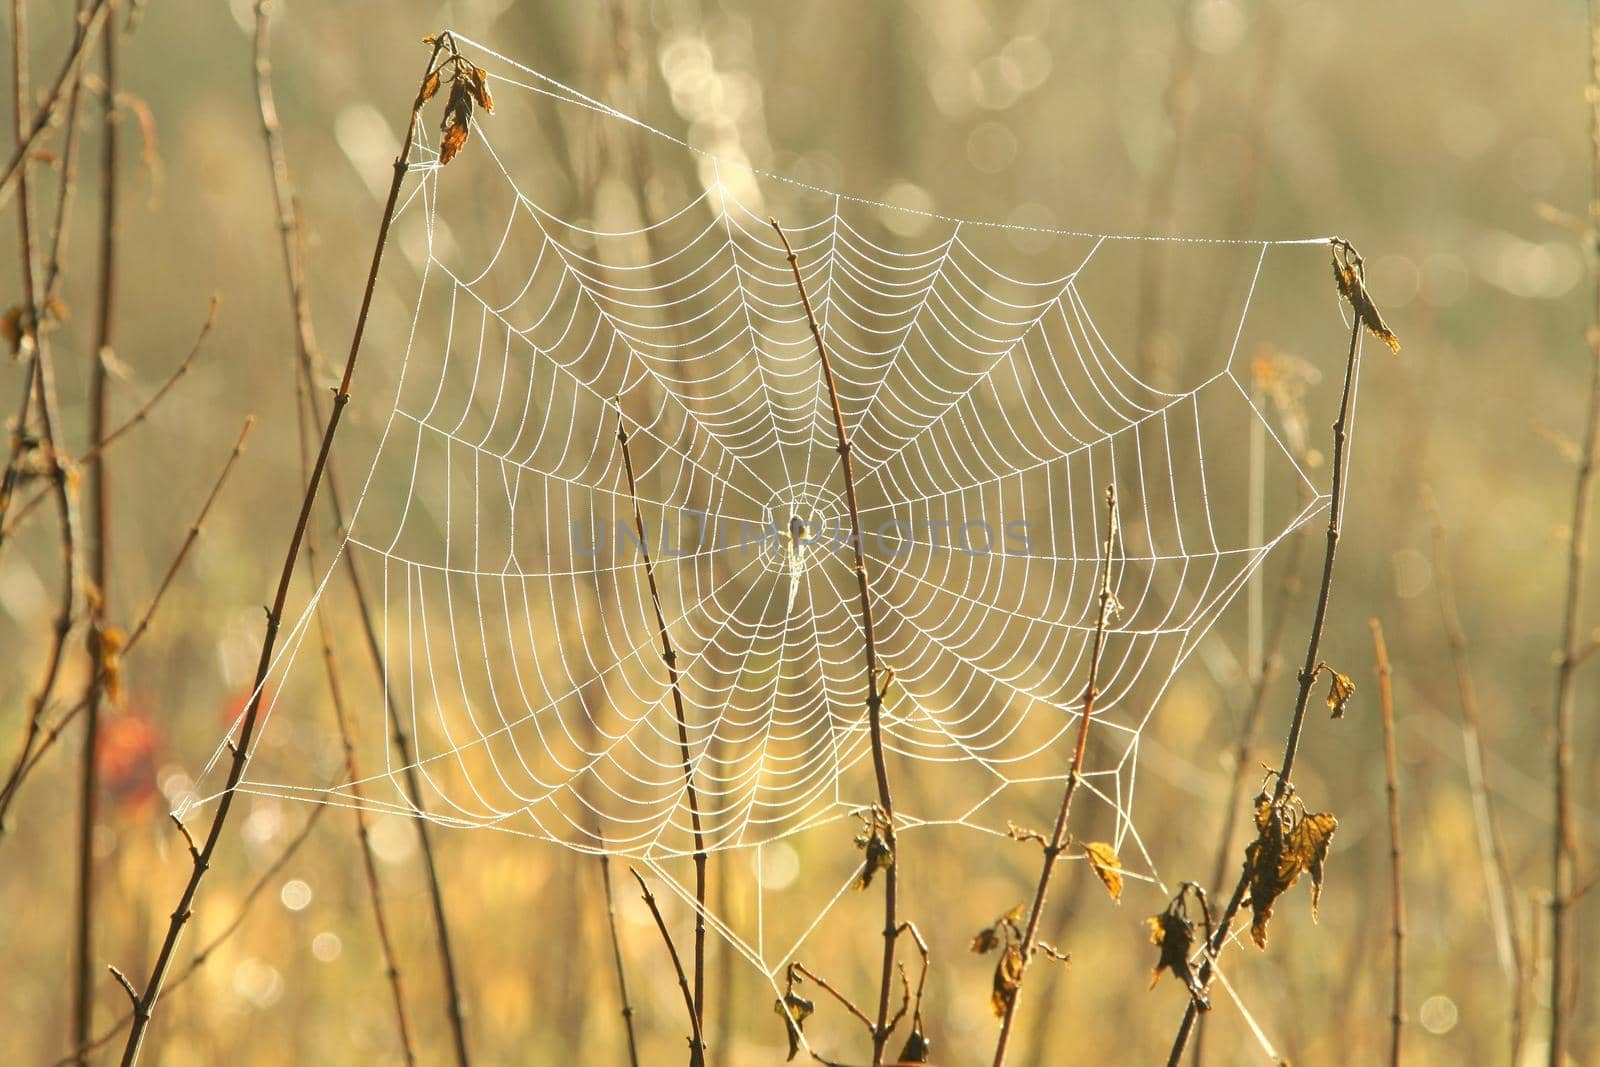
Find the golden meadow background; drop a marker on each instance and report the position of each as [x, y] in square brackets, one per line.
[1445, 140]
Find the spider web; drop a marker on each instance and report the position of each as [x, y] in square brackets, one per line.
[989, 407]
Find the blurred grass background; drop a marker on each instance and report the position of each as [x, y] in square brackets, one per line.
[1429, 134]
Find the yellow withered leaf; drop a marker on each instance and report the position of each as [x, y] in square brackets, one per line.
[1339, 692]
[110, 641]
[1312, 838]
[1107, 865]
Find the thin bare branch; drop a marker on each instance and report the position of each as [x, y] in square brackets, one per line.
[98, 450]
[670, 659]
[30, 131]
[880, 767]
[1058, 836]
[696, 1042]
[310, 359]
[306, 413]
[98, 541]
[616, 959]
[26, 767]
[1308, 673]
[1563, 841]
[41, 379]
[180, 914]
[267, 880]
[1396, 882]
[1499, 884]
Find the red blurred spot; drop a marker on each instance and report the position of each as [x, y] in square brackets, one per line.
[125, 754]
[233, 708]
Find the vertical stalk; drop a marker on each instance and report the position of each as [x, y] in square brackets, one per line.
[40, 380]
[1498, 882]
[1058, 837]
[891, 879]
[306, 351]
[1396, 883]
[99, 535]
[1308, 673]
[1563, 847]
[616, 958]
[30, 130]
[669, 657]
[144, 1002]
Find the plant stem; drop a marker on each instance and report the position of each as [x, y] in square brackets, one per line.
[1396, 883]
[304, 408]
[241, 749]
[880, 1032]
[1498, 882]
[308, 354]
[267, 879]
[1308, 673]
[616, 957]
[1271, 664]
[99, 535]
[1058, 836]
[696, 1041]
[29, 131]
[670, 658]
[41, 380]
[1563, 846]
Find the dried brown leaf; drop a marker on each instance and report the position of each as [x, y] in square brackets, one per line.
[457, 122]
[917, 1048]
[1290, 843]
[1354, 290]
[480, 89]
[430, 86]
[795, 1010]
[11, 328]
[1007, 977]
[1173, 933]
[1003, 931]
[873, 841]
[455, 139]
[1107, 865]
[986, 940]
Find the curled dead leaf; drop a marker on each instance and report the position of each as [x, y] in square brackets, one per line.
[1290, 841]
[1173, 932]
[457, 122]
[795, 1009]
[874, 841]
[1005, 930]
[431, 86]
[1007, 979]
[480, 88]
